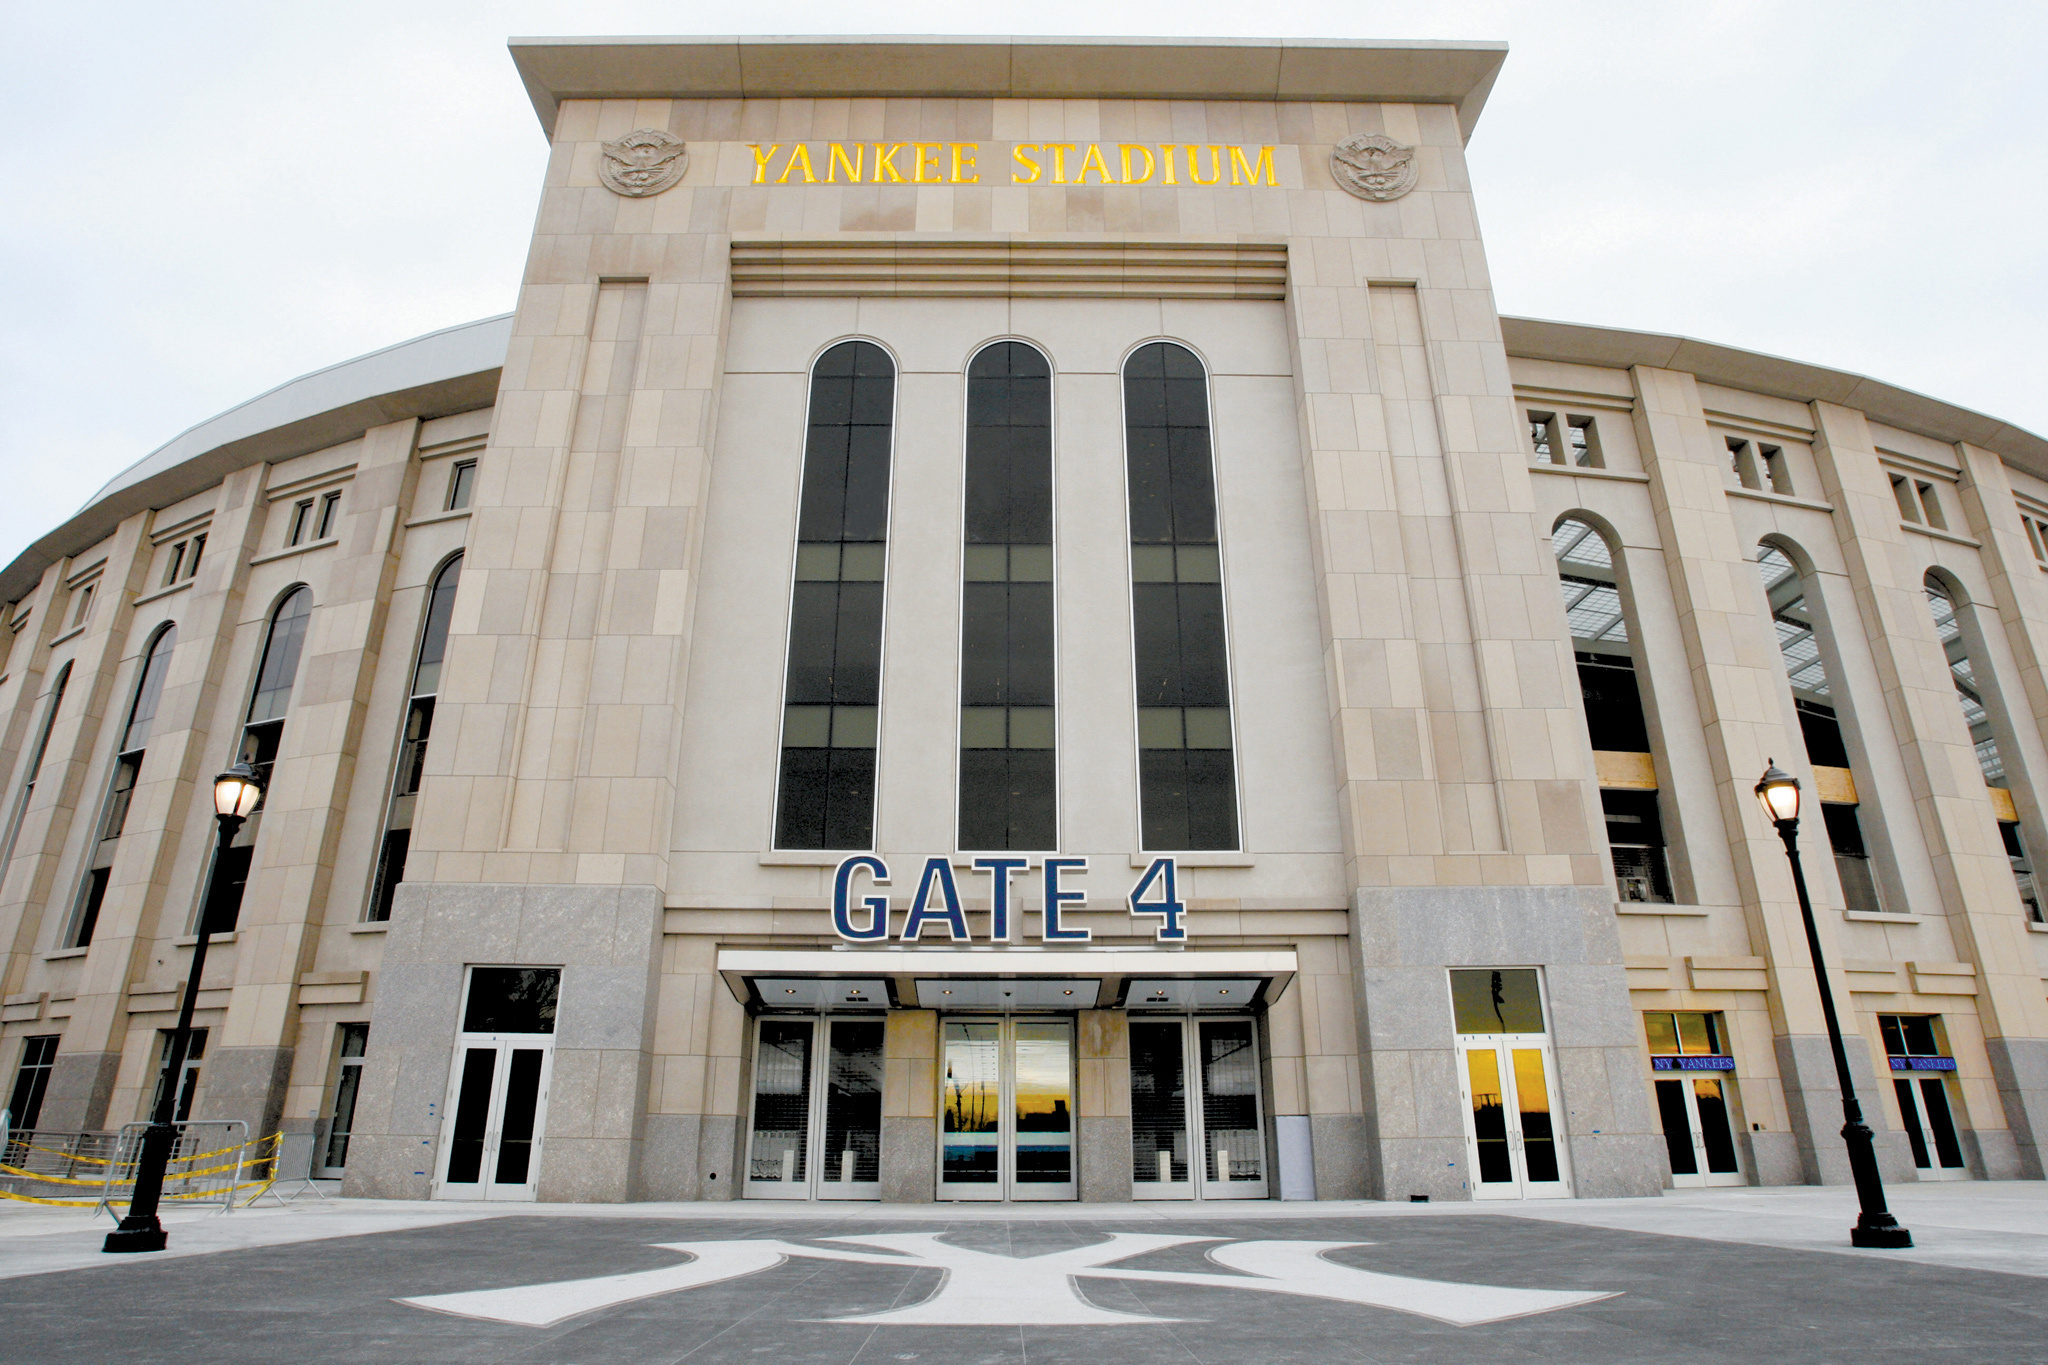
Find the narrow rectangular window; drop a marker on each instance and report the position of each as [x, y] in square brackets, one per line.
[831, 693]
[1743, 461]
[330, 505]
[1902, 493]
[1187, 771]
[84, 608]
[149, 688]
[1777, 470]
[302, 516]
[341, 1118]
[188, 1082]
[262, 739]
[25, 1104]
[1584, 442]
[192, 560]
[1008, 774]
[412, 748]
[461, 484]
[1541, 437]
[1930, 506]
[176, 562]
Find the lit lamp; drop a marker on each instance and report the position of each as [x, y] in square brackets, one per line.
[1778, 793]
[236, 793]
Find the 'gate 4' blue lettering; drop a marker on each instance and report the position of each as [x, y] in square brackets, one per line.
[936, 902]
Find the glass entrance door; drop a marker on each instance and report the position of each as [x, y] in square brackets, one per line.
[1210, 1145]
[496, 1115]
[1508, 1081]
[816, 1131]
[1699, 1132]
[1930, 1128]
[1006, 1109]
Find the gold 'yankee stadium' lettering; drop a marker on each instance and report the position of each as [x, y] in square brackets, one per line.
[1034, 163]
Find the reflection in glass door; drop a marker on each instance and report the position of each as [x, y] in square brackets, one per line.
[1699, 1131]
[496, 1114]
[1225, 1131]
[1508, 1081]
[1006, 1124]
[1930, 1128]
[800, 1149]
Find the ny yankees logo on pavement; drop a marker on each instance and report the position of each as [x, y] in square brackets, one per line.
[980, 1288]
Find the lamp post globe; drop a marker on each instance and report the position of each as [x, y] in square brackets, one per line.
[1778, 792]
[236, 794]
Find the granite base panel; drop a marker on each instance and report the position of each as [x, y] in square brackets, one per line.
[1813, 1102]
[245, 1083]
[909, 1161]
[668, 1157]
[1433, 1166]
[719, 1157]
[1104, 1158]
[1337, 1142]
[1992, 1153]
[2020, 1067]
[80, 1087]
[1774, 1159]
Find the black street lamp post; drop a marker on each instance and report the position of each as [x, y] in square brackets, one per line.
[235, 794]
[1875, 1226]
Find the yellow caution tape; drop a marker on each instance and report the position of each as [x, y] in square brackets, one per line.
[68, 1203]
[254, 1159]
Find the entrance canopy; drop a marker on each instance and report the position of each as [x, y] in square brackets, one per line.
[1005, 979]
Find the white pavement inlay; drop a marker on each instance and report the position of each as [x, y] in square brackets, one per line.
[987, 1289]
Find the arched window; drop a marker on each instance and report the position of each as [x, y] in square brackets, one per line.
[412, 745]
[262, 736]
[1187, 770]
[1820, 725]
[831, 693]
[1007, 769]
[1604, 649]
[33, 768]
[1974, 695]
[149, 689]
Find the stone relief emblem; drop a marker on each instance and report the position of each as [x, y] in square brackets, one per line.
[1373, 167]
[643, 162]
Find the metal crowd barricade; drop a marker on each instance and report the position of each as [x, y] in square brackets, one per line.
[213, 1161]
[56, 1166]
[207, 1161]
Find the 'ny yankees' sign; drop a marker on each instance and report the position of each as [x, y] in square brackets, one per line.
[936, 902]
[978, 1288]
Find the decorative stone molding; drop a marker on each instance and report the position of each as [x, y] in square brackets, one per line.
[1373, 166]
[1220, 268]
[643, 162]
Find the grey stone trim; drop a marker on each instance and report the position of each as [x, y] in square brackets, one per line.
[2020, 1066]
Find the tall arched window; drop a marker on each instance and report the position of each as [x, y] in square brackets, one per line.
[33, 768]
[831, 693]
[1007, 769]
[1615, 720]
[262, 736]
[1973, 695]
[412, 747]
[1187, 770]
[1819, 724]
[149, 690]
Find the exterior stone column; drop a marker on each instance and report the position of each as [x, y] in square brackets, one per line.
[1739, 685]
[1102, 1108]
[910, 1107]
[1466, 791]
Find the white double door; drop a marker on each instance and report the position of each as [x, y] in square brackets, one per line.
[816, 1127]
[1197, 1126]
[1699, 1130]
[495, 1116]
[1509, 1083]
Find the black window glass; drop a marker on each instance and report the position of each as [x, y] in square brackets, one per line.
[1008, 771]
[1187, 765]
[1614, 705]
[280, 666]
[149, 689]
[511, 1000]
[826, 793]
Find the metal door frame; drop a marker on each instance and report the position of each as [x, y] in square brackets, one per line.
[1504, 1046]
[505, 1044]
[1198, 1120]
[1005, 1189]
[1937, 1171]
[813, 1185]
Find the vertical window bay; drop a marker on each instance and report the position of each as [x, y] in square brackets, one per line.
[1008, 772]
[1187, 772]
[831, 693]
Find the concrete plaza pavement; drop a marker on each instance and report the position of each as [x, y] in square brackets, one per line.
[1721, 1275]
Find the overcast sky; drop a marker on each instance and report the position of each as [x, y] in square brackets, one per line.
[202, 201]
